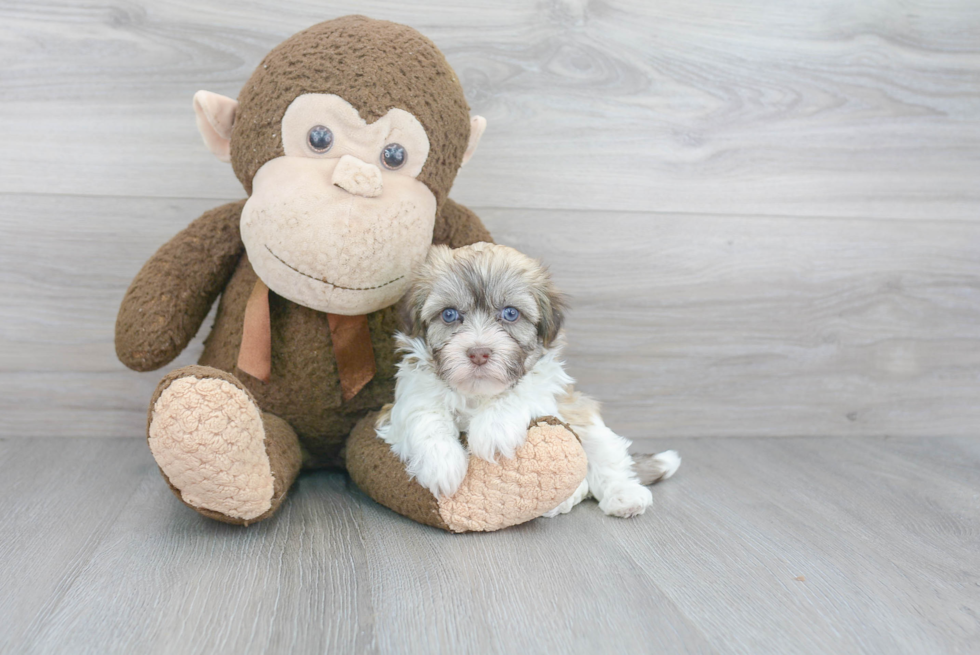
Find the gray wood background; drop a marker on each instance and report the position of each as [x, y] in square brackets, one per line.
[766, 213]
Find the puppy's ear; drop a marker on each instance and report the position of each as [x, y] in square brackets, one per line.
[552, 306]
[403, 309]
[411, 307]
[412, 314]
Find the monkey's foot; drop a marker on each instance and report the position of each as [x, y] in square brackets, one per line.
[219, 453]
[544, 472]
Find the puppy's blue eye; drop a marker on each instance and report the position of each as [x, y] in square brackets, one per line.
[510, 314]
[450, 315]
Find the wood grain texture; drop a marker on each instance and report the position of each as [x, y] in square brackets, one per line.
[687, 325]
[768, 219]
[56, 506]
[807, 108]
[683, 325]
[884, 533]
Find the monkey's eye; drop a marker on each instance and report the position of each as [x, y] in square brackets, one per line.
[450, 315]
[393, 156]
[320, 138]
[510, 314]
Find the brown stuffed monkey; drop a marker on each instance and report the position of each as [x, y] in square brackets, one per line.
[347, 139]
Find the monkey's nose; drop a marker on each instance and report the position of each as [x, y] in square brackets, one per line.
[479, 356]
[357, 177]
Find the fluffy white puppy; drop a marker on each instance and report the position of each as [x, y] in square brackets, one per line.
[484, 357]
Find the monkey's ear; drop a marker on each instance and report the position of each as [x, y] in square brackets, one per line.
[215, 118]
[477, 125]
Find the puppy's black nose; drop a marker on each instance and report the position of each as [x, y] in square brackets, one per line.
[479, 356]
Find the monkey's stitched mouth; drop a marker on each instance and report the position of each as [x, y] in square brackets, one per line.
[285, 263]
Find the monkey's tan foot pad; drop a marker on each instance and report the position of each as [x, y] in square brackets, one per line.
[545, 471]
[208, 438]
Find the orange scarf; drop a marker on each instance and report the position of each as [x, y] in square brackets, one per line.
[350, 336]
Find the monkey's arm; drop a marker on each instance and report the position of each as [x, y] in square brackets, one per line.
[173, 292]
[457, 226]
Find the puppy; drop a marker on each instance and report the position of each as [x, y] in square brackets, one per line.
[484, 357]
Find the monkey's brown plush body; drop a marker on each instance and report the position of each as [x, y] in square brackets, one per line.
[308, 271]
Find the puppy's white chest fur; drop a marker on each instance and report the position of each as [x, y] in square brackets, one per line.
[471, 407]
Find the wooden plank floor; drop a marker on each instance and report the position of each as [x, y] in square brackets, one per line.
[795, 545]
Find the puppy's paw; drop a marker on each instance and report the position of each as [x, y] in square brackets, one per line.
[439, 466]
[580, 494]
[491, 435]
[626, 500]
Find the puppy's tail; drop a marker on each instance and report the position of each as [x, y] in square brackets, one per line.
[656, 468]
